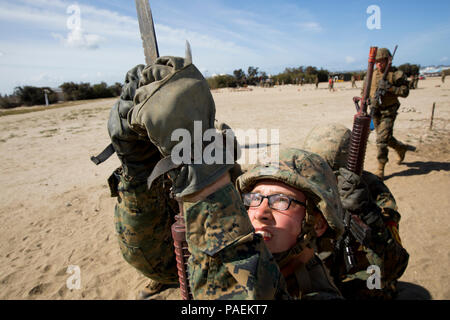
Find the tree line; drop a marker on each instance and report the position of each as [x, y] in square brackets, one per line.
[299, 75]
[29, 95]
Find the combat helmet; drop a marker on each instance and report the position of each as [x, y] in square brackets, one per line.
[383, 53]
[309, 173]
[331, 142]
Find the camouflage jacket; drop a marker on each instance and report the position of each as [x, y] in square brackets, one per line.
[399, 88]
[228, 260]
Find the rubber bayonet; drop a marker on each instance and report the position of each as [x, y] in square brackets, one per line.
[147, 28]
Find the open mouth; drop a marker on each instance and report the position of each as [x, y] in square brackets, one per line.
[266, 235]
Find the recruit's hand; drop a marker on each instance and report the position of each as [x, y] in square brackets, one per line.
[174, 103]
[384, 85]
[356, 198]
[353, 192]
[136, 153]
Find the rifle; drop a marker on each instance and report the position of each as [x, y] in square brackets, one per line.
[357, 151]
[178, 229]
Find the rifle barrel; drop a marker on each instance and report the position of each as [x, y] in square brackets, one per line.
[361, 123]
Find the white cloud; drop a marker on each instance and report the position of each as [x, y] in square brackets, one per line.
[311, 26]
[444, 59]
[349, 59]
[78, 39]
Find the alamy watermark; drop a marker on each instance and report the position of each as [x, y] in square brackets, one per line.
[374, 20]
[74, 281]
[215, 147]
[76, 37]
[374, 280]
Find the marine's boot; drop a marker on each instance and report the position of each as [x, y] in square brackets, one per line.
[401, 151]
[150, 289]
[380, 171]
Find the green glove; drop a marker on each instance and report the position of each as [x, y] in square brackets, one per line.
[356, 198]
[174, 98]
[136, 153]
[353, 192]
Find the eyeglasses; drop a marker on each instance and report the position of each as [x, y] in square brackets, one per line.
[276, 201]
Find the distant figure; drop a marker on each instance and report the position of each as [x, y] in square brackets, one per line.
[330, 84]
[353, 81]
[317, 81]
[416, 81]
[302, 81]
[412, 82]
[443, 77]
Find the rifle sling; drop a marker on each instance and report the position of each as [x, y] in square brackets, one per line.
[104, 155]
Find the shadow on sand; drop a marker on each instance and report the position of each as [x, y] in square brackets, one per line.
[419, 168]
[411, 291]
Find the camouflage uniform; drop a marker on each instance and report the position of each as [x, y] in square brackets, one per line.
[443, 77]
[385, 113]
[228, 260]
[353, 82]
[143, 219]
[385, 250]
[316, 81]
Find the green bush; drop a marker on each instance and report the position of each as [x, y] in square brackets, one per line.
[409, 69]
[84, 91]
[222, 81]
[8, 102]
[30, 96]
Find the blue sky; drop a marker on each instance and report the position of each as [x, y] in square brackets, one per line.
[38, 48]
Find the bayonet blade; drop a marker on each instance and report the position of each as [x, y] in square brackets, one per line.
[188, 54]
[147, 29]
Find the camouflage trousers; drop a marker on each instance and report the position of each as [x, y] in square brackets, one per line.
[384, 127]
[143, 220]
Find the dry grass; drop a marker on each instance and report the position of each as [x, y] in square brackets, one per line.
[22, 110]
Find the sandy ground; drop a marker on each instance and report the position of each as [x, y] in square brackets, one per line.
[56, 210]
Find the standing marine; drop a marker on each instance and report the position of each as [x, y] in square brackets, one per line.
[353, 81]
[385, 110]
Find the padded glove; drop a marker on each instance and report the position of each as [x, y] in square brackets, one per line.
[136, 153]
